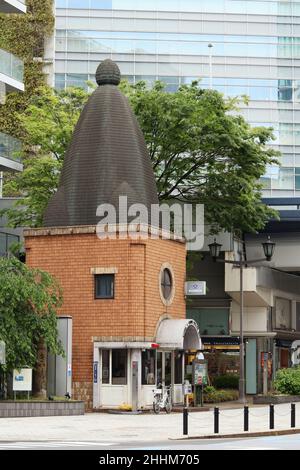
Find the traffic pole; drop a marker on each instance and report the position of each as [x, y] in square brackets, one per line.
[271, 416]
[216, 420]
[246, 418]
[293, 415]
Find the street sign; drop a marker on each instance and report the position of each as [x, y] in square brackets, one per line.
[95, 372]
[2, 353]
[22, 380]
[187, 389]
[194, 288]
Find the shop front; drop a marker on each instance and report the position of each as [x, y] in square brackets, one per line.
[125, 374]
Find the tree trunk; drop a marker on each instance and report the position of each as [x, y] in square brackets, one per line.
[40, 372]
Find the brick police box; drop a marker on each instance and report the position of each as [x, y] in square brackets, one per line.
[125, 296]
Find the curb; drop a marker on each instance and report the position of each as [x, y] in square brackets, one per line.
[283, 432]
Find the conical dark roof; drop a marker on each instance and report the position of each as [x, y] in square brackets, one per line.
[107, 158]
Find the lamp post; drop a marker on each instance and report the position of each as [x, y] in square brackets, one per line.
[215, 249]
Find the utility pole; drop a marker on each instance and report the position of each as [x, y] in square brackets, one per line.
[241, 263]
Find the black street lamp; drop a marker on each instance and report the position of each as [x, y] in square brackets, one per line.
[269, 248]
[215, 249]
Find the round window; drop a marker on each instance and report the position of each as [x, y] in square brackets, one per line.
[166, 283]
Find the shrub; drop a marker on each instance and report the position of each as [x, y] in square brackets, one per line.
[287, 381]
[228, 381]
[211, 395]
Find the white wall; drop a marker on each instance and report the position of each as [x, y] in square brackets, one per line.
[287, 251]
[255, 318]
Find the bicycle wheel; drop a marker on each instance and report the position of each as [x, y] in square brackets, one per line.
[168, 406]
[156, 407]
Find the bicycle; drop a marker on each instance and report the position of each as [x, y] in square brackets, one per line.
[162, 399]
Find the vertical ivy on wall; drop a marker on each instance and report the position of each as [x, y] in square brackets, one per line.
[23, 35]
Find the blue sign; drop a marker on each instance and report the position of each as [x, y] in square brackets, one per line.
[95, 372]
[19, 378]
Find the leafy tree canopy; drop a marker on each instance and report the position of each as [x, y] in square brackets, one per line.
[29, 299]
[202, 150]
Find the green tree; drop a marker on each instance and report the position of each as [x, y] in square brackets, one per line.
[287, 381]
[202, 151]
[23, 36]
[48, 122]
[29, 299]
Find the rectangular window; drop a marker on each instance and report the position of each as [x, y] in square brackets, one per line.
[211, 321]
[297, 178]
[119, 367]
[148, 367]
[298, 316]
[6, 241]
[159, 368]
[104, 286]
[105, 366]
[284, 179]
[168, 368]
[101, 4]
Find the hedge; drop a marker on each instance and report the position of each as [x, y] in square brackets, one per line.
[211, 395]
[228, 381]
[287, 381]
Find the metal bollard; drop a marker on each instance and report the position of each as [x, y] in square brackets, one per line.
[293, 415]
[271, 416]
[185, 421]
[216, 420]
[246, 418]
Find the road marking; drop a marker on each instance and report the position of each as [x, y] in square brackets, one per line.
[52, 444]
[248, 448]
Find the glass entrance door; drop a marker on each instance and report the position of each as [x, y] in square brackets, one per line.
[164, 368]
[168, 368]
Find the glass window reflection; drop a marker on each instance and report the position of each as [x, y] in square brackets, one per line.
[256, 7]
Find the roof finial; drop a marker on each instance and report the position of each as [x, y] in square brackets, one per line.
[108, 73]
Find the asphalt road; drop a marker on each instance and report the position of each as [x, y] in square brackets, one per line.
[289, 442]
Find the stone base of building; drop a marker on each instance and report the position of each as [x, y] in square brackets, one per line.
[275, 399]
[26, 409]
[83, 391]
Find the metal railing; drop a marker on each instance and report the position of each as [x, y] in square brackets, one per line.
[9, 146]
[11, 65]
[247, 414]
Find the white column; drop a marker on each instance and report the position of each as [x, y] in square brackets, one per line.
[136, 357]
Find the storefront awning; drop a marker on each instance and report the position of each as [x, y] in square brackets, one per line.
[178, 334]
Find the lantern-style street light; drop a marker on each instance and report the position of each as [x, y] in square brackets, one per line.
[215, 249]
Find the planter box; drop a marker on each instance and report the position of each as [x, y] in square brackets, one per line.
[275, 399]
[17, 409]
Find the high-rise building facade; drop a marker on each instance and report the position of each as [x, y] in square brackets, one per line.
[255, 51]
[11, 80]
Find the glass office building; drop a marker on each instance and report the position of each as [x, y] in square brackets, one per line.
[256, 52]
[11, 80]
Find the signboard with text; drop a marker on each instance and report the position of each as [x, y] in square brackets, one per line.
[195, 288]
[200, 372]
[22, 380]
[95, 372]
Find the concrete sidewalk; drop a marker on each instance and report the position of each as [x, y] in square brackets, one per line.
[109, 428]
